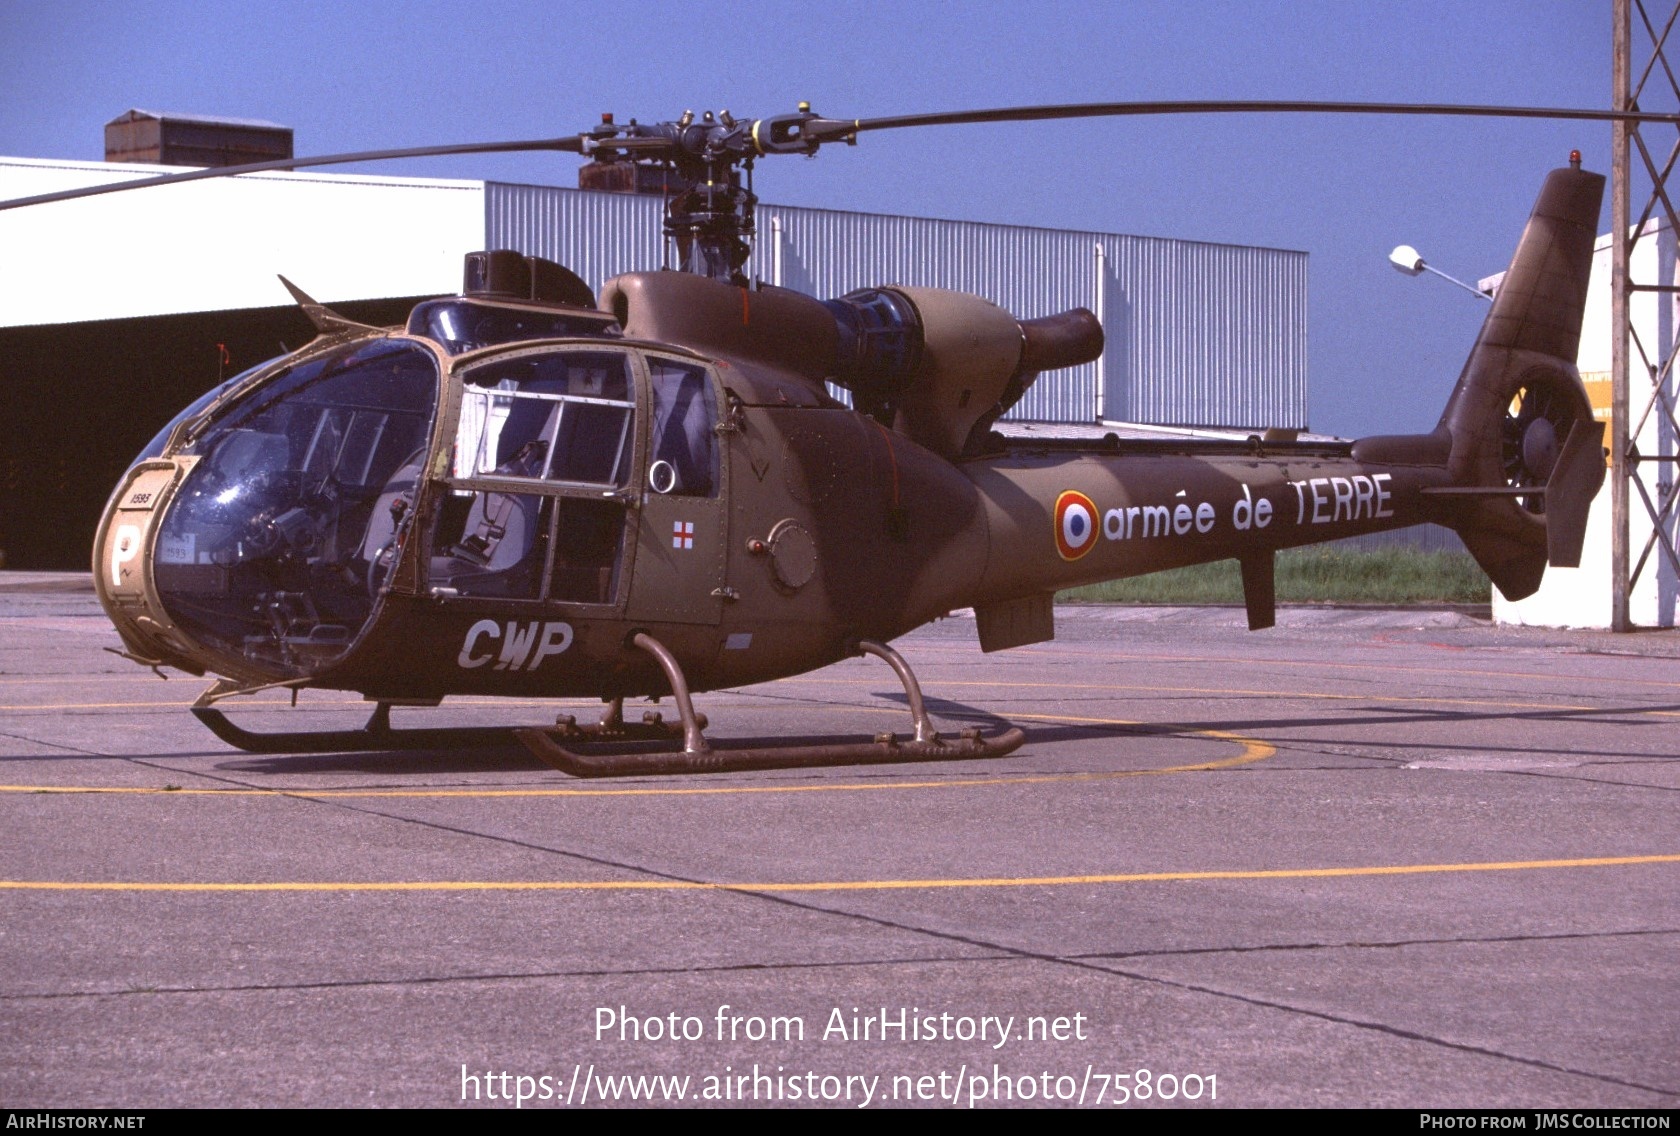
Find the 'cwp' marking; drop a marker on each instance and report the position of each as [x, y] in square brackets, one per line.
[1076, 524]
[524, 644]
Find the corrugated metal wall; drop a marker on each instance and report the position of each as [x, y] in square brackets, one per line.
[1198, 334]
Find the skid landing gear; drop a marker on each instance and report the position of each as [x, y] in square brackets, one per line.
[378, 735]
[617, 748]
[699, 756]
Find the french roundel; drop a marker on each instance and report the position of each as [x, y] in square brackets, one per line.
[1076, 525]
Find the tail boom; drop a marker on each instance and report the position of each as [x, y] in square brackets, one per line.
[1512, 466]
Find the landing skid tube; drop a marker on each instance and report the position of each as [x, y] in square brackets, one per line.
[699, 756]
[379, 736]
[969, 747]
[607, 738]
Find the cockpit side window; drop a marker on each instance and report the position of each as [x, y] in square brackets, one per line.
[561, 417]
[561, 421]
[683, 456]
[161, 438]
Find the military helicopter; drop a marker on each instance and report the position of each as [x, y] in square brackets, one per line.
[531, 490]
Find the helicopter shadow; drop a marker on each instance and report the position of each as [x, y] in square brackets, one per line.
[1378, 717]
[949, 709]
[1046, 732]
[1381, 719]
[512, 757]
[509, 757]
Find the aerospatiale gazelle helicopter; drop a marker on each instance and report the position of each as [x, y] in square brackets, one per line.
[529, 490]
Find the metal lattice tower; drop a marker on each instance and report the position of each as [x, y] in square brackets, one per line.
[1643, 376]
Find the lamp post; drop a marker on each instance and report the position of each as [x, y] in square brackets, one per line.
[1408, 260]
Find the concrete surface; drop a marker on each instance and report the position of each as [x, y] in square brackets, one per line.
[1366, 858]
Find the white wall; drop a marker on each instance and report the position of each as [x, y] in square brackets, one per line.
[213, 245]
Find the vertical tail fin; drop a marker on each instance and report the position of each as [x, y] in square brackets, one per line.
[1519, 418]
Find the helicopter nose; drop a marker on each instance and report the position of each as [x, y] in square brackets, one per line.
[259, 546]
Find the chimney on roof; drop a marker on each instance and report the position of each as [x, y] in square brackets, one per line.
[194, 140]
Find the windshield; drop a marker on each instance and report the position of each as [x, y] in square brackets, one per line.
[280, 537]
[161, 438]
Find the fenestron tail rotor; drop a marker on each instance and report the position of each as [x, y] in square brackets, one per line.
[1535, 426]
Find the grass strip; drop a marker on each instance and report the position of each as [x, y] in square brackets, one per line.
[1310, 575]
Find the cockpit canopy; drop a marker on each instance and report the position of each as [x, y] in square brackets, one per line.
[507, 297]
[265, 552]
[460, 325]
[304, 483]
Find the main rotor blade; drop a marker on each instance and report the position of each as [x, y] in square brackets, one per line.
[572, 144]
[832, 129]
[820, 130]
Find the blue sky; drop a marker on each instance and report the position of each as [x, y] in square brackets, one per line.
[1384, 349]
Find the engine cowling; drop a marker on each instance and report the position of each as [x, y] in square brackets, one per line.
[943, 366]
[939, 366]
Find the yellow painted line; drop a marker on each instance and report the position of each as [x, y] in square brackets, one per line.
[1452, 673]
[1287, 695]
[1229, 692]
[323, 704]
[1322, 696]
[37, 680]
[1252, 750]
[181, 704]
[836, 885]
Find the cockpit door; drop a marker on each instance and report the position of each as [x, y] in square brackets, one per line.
[683, 527]
[544, 462]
